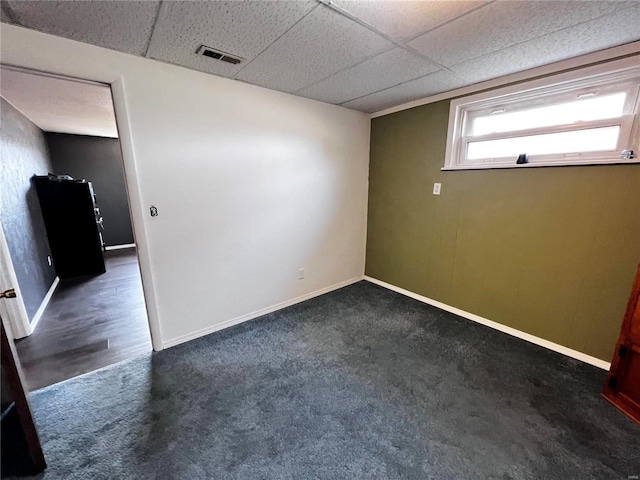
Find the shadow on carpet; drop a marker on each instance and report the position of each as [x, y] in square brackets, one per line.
[358, 383]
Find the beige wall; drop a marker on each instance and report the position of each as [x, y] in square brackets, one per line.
[549, 251]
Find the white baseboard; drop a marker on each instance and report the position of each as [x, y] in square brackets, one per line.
[258, 313]
[497, 326]
[45, 301]
[119, 247]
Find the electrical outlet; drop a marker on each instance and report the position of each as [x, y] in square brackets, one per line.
[436, 188]
[301, 274]
[49, 260]
[153, 210]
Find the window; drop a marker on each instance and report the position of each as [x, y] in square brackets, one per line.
[589, 116]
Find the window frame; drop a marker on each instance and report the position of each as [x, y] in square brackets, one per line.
[607, 78]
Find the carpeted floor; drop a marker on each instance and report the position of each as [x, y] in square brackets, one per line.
[360, 383]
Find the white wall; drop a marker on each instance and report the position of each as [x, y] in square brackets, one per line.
[250, 184]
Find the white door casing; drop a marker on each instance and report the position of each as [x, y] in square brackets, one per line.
[12, 310]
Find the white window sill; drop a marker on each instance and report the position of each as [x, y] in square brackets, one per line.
[545, 164]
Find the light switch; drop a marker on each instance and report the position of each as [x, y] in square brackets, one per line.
[436, 188]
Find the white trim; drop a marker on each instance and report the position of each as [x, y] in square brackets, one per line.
[136, 209]
[13, 309]
[41, 73]
[45, 301]
[119, 247]
[632, 48]
[258, 313]
[583, 357]
[605, 161]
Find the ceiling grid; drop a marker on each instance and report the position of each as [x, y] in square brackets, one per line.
[265, 48]
[353, 18]
[568, 42]
[365, 55]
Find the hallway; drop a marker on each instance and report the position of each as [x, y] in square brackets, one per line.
[91, 322]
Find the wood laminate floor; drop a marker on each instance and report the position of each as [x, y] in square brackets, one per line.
[89, 323]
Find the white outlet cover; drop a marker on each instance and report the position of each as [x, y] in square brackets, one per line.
[436, 188]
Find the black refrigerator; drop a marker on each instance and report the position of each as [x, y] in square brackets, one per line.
[73, 223]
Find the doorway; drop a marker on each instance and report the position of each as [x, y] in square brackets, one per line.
[78, 278]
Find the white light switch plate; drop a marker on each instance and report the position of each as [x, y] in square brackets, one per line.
[436, 188]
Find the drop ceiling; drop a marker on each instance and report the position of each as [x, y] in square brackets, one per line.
[60, 105]
[362, 54]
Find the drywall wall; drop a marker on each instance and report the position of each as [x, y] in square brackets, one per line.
[24, 154]
[250, 184]
[548, 251]
[99, 160]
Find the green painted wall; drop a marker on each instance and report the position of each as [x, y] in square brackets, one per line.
[549, 251]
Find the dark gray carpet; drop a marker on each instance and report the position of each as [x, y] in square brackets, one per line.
[358, 383]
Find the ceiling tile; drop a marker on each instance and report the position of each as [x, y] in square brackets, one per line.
[243, 29]
[322, 43]
[587, 37]
[385, 70]
[502, 24]
[438, 82]
[124, 26]
[404, 19]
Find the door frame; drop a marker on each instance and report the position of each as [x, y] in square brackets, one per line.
[136, 209]
[15, 312]
[134, 194]
[611, 391]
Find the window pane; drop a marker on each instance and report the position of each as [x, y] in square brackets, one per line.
[590, 140]
[595, 108]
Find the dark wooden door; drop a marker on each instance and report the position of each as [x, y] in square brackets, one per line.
[622, 387]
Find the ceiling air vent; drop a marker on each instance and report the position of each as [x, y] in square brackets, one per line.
[217, 55]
